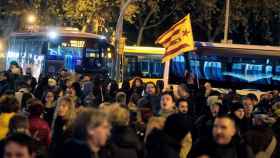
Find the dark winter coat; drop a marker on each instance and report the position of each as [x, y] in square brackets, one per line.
[160, 145]
[125, 143]
[74, 148]
[235, 149]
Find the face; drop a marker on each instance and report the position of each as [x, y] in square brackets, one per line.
[63, 108]
[50, 97]
[138, 83]
[150, 89]
[99, 135]
[167, 103]
[215, 109]
[207, 86]
[223, 130]
[248, 106]
[182, 93]
[183, 107]
[203, 156]
[71, 92]
[240, 113]
[14, 150]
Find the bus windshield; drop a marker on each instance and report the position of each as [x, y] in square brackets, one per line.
[79, 53]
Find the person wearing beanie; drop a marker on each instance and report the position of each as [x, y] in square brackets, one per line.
[237, 113]
[173, 141]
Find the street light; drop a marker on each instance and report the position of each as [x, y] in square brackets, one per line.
[31, 19]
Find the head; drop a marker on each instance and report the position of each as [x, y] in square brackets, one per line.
[183, 105]
[177, 126]
[19, 145]
[65, 108]
[93, 127]
[52, 82]
[50, 97]
[208, 86]
[150, 88]
[19, 123]
[160, 85]
[36, 108]
[253, 98]
[9, 104]
[154, 123]
[137, 82]
[13, 65]
[120, 116]
[75, 90]
[121, 98]
[248, 105]
[167, 101]
[215, 109]
[237, 110]
[183, 91]
[224, 129]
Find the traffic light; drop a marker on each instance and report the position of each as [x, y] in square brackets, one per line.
[121, 45]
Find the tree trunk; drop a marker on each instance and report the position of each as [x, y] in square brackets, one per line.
[142, 28]
[140, 35]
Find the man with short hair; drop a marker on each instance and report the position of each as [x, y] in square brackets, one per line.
[224, 142]
[19, 146]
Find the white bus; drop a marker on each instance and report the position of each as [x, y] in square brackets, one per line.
[228, 65]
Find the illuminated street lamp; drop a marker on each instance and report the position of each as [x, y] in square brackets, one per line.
[31, 19]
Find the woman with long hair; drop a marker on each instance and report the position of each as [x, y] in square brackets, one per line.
[63, 118]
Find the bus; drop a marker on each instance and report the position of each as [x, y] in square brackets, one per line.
[144, 62]
[50, 49]
[228, 66]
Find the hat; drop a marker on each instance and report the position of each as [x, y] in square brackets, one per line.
[235, 106]
[51, 82]
[177, 126]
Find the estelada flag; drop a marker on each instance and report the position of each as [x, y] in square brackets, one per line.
[178, 39]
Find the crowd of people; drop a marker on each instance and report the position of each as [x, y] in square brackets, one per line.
[70, 115]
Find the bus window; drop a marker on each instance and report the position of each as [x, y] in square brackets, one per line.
[27, 52]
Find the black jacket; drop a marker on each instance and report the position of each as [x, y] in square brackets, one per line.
[125, 143]
[160, 145]
[152, 101]
[74, 148]
[236, 149]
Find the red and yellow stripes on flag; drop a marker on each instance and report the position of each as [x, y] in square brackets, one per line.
[178, 39]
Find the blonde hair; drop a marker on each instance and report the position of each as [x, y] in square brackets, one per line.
[154, 123]
[119, 116]
[88, 118]
[70, 114]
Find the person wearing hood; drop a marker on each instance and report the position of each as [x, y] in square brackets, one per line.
[237, 113]
[173, 141]
[30, 80]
